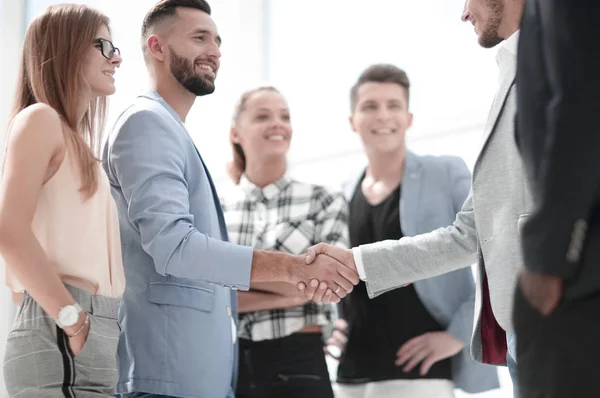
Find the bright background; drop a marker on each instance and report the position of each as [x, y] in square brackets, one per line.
[313, 51]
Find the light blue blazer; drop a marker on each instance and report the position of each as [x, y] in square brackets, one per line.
[179, 303]
[433, 191]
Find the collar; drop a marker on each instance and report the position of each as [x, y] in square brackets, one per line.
[510, 45]
[269, 192]
[153, 95]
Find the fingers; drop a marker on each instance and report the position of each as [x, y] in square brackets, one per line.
[326, 269]
[336, 344]
[321, 290]
[319, 293]
[345, 279]
[342, 255]
[349, 275]
[311, 255]
[410, 345]
[338, 338]
[415, 359]
[341, 325]
[333, 351]
[311, 289]
[340, 291]
[427, 364]
[327, 297]
[335, 299]
[314, 251]
[409, 349]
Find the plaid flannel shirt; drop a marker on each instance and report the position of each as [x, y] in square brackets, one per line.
[288, 216]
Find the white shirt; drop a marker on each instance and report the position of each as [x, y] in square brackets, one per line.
[510, 45]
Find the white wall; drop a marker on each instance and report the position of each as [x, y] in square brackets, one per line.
[318, 49]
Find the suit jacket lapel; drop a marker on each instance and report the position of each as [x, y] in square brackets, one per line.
[410, 194]
[499, 100]
[155, 96]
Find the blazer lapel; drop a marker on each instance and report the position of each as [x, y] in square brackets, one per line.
[350, 185]
[155, 96]
[409, 192]
[410, 195]
[500, 99]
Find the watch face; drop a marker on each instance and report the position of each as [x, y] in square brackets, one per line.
[68, 315]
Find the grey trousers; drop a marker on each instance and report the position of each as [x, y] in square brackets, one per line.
[39, 364]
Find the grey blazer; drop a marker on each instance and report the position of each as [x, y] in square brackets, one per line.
[486, 231]
[178, 307]
[433, 190]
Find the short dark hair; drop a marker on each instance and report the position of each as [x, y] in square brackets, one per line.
[380, 73]
[166, 9]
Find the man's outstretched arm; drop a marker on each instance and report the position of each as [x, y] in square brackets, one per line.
[395, 263]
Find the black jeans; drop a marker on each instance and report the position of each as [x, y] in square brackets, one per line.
[558, 356]
[290, 367]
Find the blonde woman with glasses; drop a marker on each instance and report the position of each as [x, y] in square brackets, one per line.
[58, 222]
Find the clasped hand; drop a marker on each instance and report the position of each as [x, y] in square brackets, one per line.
[331, 275]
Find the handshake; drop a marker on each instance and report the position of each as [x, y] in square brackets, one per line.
[328, 275]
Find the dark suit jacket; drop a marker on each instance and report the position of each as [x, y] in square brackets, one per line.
[558, 131]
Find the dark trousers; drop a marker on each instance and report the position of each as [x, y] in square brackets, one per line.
[558, 356]
[290, 367]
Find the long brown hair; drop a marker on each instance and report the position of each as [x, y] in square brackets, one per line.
[237, 167]
[54, 52]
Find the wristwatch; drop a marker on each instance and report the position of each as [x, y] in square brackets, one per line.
[68, 315]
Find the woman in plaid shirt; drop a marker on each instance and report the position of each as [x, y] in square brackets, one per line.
[281, 346]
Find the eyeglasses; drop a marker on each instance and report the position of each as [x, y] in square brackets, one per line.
[107, 49]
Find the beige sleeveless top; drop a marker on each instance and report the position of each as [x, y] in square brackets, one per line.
[80, 237]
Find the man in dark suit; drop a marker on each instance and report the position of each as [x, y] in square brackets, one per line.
[557, 304]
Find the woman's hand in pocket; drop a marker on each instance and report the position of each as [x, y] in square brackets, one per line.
[77, 342]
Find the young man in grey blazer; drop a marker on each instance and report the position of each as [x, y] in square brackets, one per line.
[400, 193]
[486, 229]
[178, 312]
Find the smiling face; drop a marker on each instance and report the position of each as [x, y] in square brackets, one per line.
[98, 70]
[486, 17]
[381, 116]
[263, 128]
[193, 51]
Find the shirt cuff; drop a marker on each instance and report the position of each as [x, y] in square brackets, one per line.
[360, 268]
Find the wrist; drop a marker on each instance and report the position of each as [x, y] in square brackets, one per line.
[268, 266]
[79, 326]
[290, 266]
[352, 264]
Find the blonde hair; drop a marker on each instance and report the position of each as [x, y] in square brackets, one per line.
[238, 166]
[54, 52]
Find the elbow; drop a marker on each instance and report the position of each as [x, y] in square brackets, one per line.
[6, 235]
[11, 234]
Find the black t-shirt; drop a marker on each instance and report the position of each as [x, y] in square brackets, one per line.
[379, 327]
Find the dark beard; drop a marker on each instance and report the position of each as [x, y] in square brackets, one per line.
[183, 71]
[489, 37]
